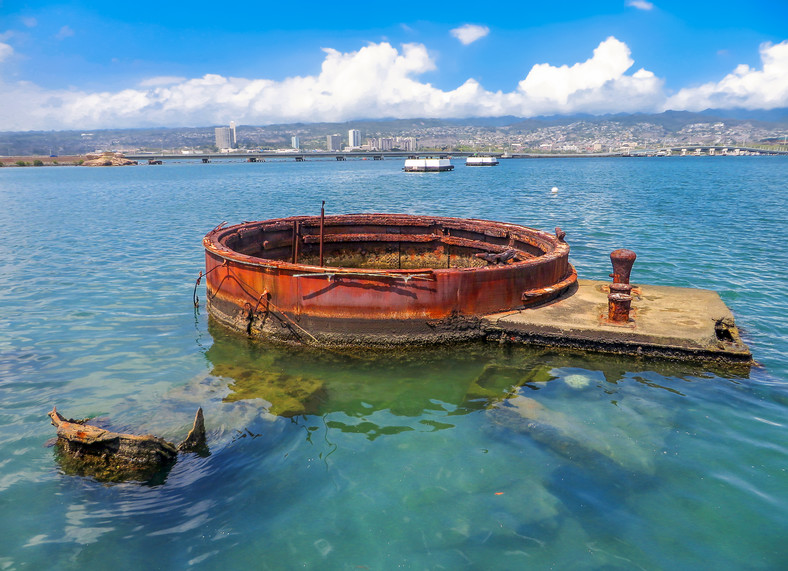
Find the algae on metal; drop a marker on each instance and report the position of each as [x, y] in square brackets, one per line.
[289, 395]
[497, 380]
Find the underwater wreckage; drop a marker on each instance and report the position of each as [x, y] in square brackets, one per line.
[378, 278]
[107, 456]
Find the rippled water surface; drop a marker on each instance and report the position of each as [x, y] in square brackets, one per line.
[472, 456]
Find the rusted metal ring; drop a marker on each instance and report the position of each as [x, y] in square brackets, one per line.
[555, 289]
[382, 273]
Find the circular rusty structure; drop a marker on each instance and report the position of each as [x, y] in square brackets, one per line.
[378, 278]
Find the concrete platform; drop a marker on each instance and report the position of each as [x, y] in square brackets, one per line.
[665, 321]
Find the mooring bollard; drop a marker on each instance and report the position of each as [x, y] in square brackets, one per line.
[619, 300]
[618, 306]
[622, 265]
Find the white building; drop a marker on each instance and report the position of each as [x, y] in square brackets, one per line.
[295, 142]
[408, 143]
[354, 138]
[225, 137]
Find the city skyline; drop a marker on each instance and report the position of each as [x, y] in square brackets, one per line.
[74, 66]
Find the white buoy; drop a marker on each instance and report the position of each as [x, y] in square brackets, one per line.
[554, 190]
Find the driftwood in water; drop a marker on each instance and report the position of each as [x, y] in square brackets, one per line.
[113, 456]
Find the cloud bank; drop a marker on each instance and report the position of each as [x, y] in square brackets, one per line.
[380, 80]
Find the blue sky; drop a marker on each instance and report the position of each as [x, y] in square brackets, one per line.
[88, 65]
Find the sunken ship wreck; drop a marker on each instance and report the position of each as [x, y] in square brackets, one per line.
[378, 278]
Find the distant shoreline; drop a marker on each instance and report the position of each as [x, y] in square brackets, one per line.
[47, 161]
[77, 160]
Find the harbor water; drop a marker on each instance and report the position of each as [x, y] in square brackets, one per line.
[473, 456]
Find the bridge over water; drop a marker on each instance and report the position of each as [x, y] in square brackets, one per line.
[713, 150]
[296, 155]
[299, 156]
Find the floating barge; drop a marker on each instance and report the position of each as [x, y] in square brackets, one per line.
[481, 161]
[427, 165]
[382, 279]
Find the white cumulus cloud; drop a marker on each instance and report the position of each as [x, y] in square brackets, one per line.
[469, 33]
[598, 84]
[377, 80]
[640, 4]
[745, 87]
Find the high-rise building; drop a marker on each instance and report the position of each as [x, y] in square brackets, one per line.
[224, 137]
[385, 143]
[354, 138]
[295, 142]
[334, 142]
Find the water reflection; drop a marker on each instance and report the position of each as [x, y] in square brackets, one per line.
[412, 383]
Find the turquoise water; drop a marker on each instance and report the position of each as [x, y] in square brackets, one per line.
[415, 459]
